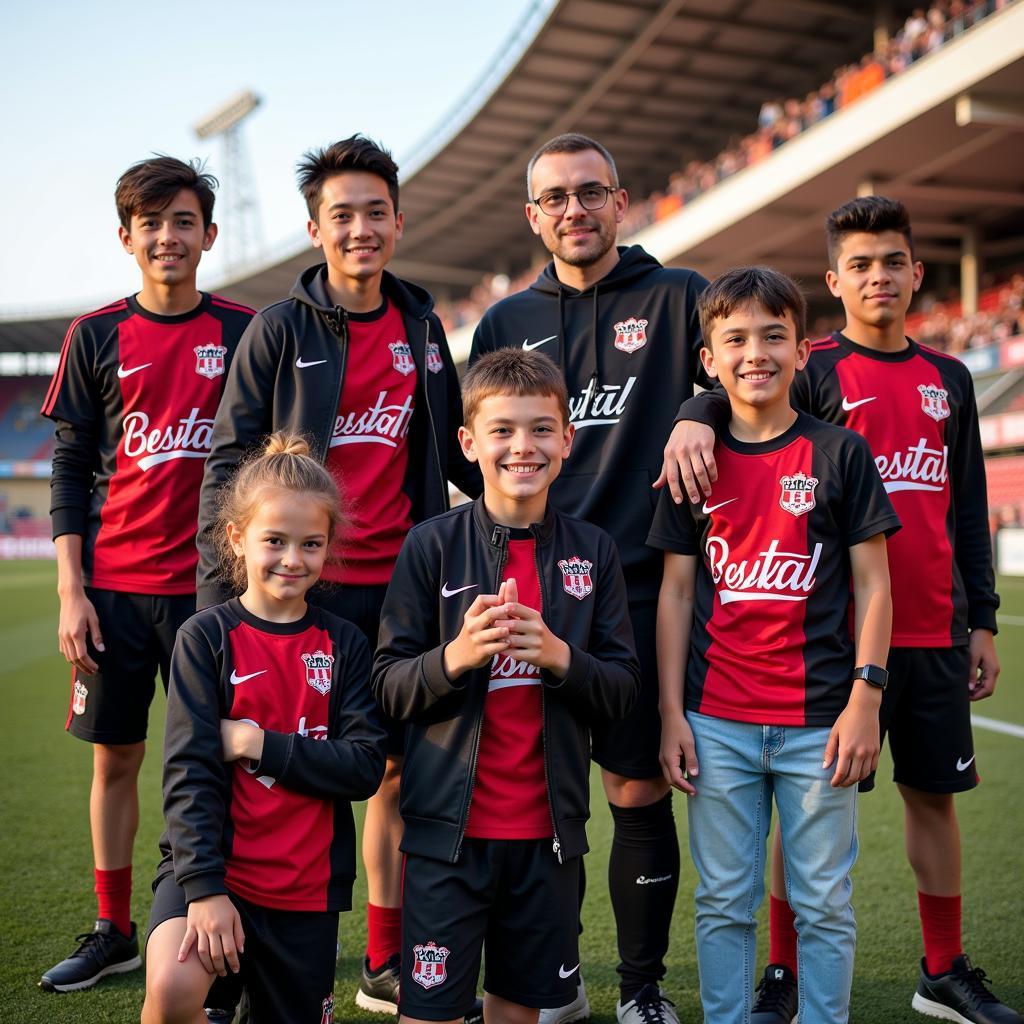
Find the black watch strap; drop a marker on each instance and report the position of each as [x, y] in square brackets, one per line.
[875, 675]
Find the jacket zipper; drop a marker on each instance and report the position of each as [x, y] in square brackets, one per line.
[556, 845]
[342, 334]
[499, 539]
[430, 415]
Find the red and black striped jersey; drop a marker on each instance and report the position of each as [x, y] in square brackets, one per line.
[134, 398]
[771, 639]
[278, 833]
[917, 411]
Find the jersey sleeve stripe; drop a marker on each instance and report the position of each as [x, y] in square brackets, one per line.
[58, 377]
[217, 300]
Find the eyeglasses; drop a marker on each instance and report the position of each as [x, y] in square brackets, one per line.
[593, 197]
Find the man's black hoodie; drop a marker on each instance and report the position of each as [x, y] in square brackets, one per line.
[629, 346]
[287, 375]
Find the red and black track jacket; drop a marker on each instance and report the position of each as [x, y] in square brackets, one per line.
[288, 375]
[443, 565]
[278, 833]
[917, 411]
[134, 398]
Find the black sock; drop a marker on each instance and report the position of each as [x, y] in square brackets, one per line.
[643, 876]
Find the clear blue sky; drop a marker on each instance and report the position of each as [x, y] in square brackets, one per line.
[88, 88]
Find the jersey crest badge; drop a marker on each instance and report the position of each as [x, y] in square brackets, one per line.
[630, 335]
[401, 357]
[327, 1010]
[318, 670]
[210, 360]
[428, 967]
[934, 401]
[78, 701]
[434, 362]
[576, 578]
[798, 493]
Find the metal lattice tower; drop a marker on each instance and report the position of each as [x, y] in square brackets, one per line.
[241, 231]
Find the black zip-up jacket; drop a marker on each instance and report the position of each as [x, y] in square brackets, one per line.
[424, 611]
[287, 375]
[629, 346]
[205, 685]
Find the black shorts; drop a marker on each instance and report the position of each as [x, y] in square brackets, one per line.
[630, 747]
[926, 713]
[361, 606]
[287, 969]
[509, 897]
[138, 632]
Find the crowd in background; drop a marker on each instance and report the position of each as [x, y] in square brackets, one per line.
[925, 30]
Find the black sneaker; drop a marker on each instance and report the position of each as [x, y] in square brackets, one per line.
[776, 998]
[378, 990]
[215, 1016]
[102, 951]
[961, 996]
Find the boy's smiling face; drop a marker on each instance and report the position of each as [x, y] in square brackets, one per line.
[519, 442]
[875, 277]
[755, 354]
[167, 244]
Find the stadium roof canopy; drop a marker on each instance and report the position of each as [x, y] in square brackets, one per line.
[660, 82]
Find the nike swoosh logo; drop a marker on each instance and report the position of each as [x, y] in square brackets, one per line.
[529, 346]
[445, 592]
[848, 405]
[962, 765]
[236, 678]
[122, 372]
[708, 509]
[315, 362]
[563, 973]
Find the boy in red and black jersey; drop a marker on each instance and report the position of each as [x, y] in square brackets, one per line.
[356, 361]
[504, 635]
[134, 398]
[916, 409]
[759, 690]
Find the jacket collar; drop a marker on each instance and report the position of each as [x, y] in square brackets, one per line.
[489, 528]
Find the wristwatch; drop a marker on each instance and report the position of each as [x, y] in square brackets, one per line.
[874, 675]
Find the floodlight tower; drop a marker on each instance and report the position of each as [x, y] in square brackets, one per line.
[238, 215]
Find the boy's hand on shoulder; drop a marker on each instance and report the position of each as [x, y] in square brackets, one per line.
[981, 681]
[484, 634]
[689, 462]
[529, 637]
[854, 741]
[678, 753]
[215, 929]
[240, 739]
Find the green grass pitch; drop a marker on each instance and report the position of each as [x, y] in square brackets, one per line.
[46, 882]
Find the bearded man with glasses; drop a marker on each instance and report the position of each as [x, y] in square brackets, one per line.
[625, 331]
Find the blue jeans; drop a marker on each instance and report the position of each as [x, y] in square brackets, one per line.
[741, 766]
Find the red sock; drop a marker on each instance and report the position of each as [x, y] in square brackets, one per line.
[383, 934]
[782, 933]
[114, 895]
[940, 927]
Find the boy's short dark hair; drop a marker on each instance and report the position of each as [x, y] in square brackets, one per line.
[569, 142]
[152, 184]
[776, 292]
[356, 153]
[511, 371]
[869, 214]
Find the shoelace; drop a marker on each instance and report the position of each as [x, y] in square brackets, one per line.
[771, 994]
[649, 1003]
[974, 978]
[87, 940]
